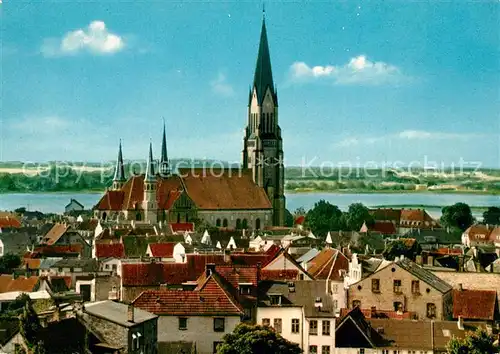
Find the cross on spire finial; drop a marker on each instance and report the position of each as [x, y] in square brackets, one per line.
[263, 9]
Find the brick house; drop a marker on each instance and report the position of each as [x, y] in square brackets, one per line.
[403, 286]
[201, 316]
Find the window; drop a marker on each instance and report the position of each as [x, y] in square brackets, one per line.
[295, 325]
[257, 224]
[313, 328]
[216, 344]
[415, 287]
[313, 349]
[183, 323]
[335, 289]
[335, 304]
[398, 306]
[431, 310]
[238, 224]
[361, 351]
[397, 286]
[277, 325]
[106, 266]
[325, 349]
[217, 223]
[224, 223]
[244, 224]
[266, 322]
[275, 299]
[375, 285]
[245, 290]
[219, 324]
[325, 328]
[356, 303]
[114, 267]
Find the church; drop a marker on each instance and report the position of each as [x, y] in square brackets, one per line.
[250, 197]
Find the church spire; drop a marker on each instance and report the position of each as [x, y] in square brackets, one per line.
[119, 177]
[150, 173]
[263, 77]
[164, 166]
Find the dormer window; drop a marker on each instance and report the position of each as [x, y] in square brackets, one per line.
[275, 299]
[291, 287]
[245, 289]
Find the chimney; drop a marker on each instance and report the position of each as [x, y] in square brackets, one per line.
[460, 323]
[430, 260]
[209, 269]
[130, 313]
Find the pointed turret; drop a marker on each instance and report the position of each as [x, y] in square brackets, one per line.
[150, 171]
[119, 177]
[263, 77]
[164, 165]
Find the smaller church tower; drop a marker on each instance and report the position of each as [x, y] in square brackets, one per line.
[164, 165]
[119, 178]
[149, 201]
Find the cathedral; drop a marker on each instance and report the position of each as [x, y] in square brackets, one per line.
[248, 198]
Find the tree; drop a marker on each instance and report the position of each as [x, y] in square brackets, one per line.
[248, 339]
[457, 216]
[20, 210]
[29, 324]
[492, 216]
[324, 217]
[9, 262]
[356, 215]
[399, 248]
[478, 342]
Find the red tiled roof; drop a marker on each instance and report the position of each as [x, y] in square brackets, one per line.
[211, 299]
[478, 232]
[197, 262]
[177, 273]
[384, 214]
[109, 250]
[329, 264]
[142, 274]
[474, 304]
[447, 250]
[279, 274]
[182, 227]
[32, 263]
[20, 283]
[111, 200]
[235, 274]
[163, 250]
[9, 222]
[224, 189]
[55, 233]
[383, 227]
[53, 250]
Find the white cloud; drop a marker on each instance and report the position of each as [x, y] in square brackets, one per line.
[422, 134]
[409, 134]
[359, 70]
[95, 39]
[221, 86]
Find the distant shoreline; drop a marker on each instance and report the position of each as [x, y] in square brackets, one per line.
[389, 191]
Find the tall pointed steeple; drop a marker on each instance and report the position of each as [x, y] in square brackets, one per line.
[263, 77]
[119, 177]
[263, 144]
[150, 171]
[164, 165]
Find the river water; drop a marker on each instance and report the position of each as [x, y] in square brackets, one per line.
[55, 202]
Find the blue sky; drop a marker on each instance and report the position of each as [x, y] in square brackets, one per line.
[357, 81]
